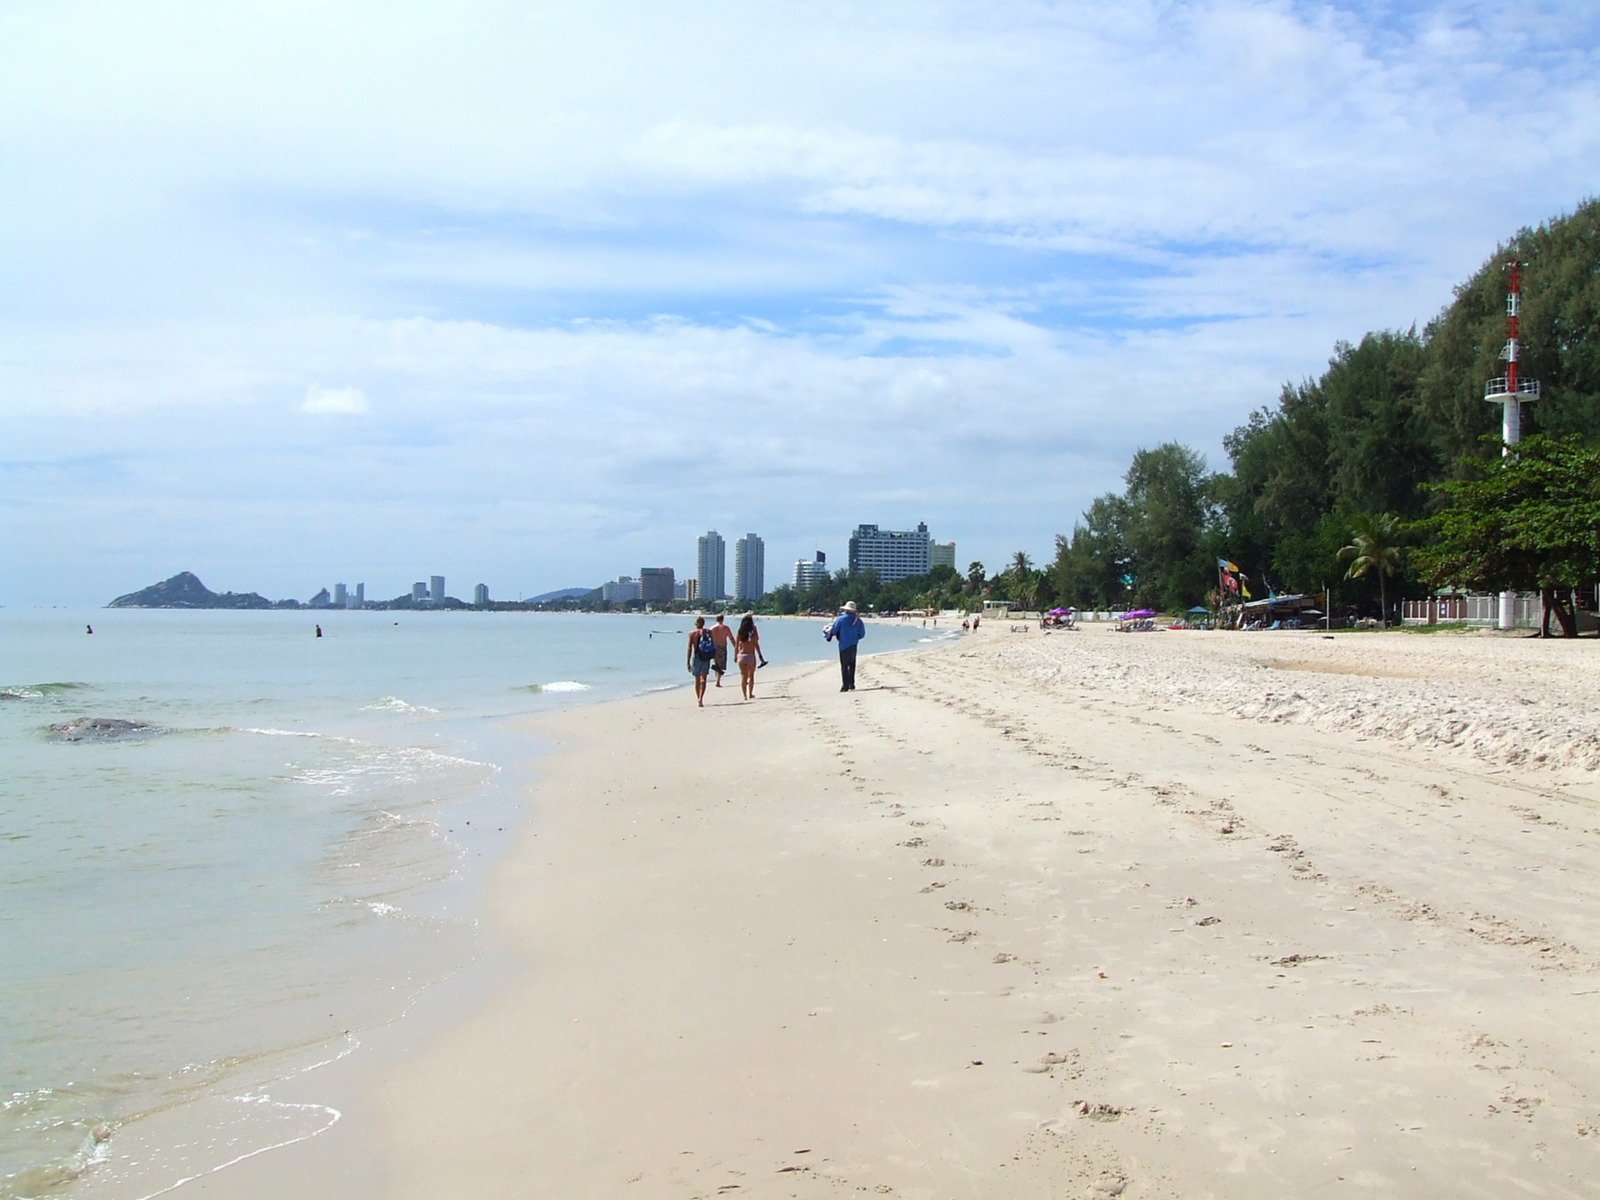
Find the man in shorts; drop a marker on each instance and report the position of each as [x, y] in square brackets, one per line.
[722, 634]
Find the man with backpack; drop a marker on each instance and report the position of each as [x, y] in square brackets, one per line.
[702, 653]
[848, 629]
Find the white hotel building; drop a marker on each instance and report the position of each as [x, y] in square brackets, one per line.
[893, 553]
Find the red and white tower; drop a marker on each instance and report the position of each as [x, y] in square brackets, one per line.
[1511, 393]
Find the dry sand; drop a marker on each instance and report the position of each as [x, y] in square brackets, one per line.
[1079, 914]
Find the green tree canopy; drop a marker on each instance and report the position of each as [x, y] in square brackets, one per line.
[1528, 521]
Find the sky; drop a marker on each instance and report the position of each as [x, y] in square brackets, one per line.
[534, 294]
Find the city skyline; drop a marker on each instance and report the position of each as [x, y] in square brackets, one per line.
[281, 293]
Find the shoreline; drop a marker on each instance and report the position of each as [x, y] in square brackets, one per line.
[997, 925]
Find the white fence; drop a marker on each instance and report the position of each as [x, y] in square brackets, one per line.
[1472, 610]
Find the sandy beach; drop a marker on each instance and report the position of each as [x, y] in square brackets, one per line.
[1078, 914]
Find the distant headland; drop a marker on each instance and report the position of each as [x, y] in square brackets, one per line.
[184, 590]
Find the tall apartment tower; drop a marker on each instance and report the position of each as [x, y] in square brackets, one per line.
[711, 566]
[436, 588]
[341, 596]
[749, 568]
[359, 599]
[894, 554]
[480, 595]
[941, 554]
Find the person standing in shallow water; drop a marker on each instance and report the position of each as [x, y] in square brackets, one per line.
[747, 650]
[847, 629]
[702, 650]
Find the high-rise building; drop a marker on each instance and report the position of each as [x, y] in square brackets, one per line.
[894, 554]
[621, 590]
[436, 588]
[657, 584]
[359, 600]
[480, 595]
[419, 593]
[941, 554]
[808, 572]
[341, 597]
[711, 566]
[749, 568]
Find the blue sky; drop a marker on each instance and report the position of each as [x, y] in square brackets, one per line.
[532, 295]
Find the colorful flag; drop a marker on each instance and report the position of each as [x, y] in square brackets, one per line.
[1224, 565]
[1229, 582]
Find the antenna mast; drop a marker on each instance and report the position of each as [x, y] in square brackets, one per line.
[1511, 393]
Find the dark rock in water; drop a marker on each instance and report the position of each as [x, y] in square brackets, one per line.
[101, 729]
[184, 590]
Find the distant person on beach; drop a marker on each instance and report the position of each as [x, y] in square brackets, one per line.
[319, 630]
[721, 635]
[847, 629]
[90, 628]
[702, 651]
[747, 650]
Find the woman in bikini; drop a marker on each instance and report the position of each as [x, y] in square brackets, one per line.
[747, 650]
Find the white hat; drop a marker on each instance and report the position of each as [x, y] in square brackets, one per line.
[849, 606]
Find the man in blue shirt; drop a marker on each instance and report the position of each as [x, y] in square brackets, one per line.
[848, 629]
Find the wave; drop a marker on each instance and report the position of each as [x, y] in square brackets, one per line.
[559, 685]
[38, 691]
[395, 704]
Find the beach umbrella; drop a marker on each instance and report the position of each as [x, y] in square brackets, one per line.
[1199, 609]
[1137, 614]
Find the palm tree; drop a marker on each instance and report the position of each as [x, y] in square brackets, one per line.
[1021, 564]
[1026, 591]
[1375, 545]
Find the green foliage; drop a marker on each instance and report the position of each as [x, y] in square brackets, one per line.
[1396, 413]
[1527, 521]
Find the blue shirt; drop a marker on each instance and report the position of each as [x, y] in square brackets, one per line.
[848, 628]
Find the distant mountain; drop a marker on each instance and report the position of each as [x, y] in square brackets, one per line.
[562, 594]
[184, 590]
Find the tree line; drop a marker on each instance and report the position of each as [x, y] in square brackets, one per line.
[1392, 447]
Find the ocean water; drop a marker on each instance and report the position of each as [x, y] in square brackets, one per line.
[285, 857]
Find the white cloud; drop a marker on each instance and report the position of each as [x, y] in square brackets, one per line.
[342, 401]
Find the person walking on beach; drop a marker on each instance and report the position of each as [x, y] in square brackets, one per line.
[747, 650]
[721, 635]
[702, 652]
[848, 629]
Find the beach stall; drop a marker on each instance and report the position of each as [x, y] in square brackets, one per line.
[1296, 611]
